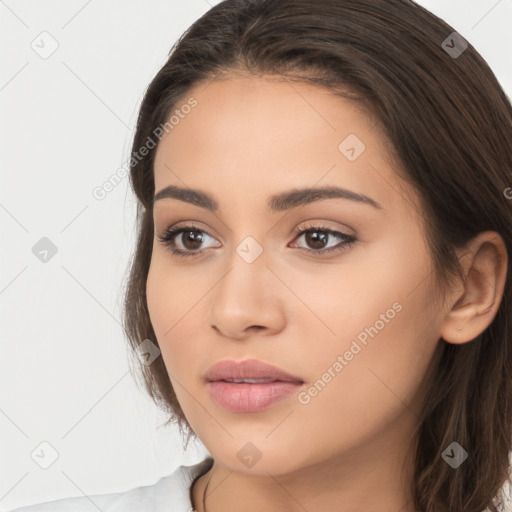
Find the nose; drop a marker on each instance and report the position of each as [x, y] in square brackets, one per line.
[247, 301]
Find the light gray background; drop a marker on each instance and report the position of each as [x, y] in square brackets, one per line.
[66, 127]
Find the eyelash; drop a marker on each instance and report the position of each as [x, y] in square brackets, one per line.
[171, 233]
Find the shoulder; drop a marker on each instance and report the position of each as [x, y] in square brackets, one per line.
[171, 490]
[505, 498]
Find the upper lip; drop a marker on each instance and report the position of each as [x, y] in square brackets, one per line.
[248, 369]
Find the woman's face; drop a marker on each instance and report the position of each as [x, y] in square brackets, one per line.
[356, 325]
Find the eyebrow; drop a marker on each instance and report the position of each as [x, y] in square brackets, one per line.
[276, 203]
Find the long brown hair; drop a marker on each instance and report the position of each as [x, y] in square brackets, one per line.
[448, 122]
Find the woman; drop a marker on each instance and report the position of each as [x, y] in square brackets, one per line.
[320, 289]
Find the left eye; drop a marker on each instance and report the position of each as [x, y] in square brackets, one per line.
[317, 237]
[192, 238]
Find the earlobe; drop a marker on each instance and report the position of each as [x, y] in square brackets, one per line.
[484, 263]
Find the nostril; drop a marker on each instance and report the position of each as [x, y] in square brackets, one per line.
[258, 327]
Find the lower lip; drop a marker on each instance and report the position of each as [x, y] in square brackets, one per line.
[240, 397]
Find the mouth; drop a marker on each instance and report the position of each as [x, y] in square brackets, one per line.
[249, 385]
[250, 381]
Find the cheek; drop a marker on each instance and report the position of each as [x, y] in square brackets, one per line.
[373, 312]
[372, 287]
[160, 299]
[170, 293]
[368, 380]
[174, 305]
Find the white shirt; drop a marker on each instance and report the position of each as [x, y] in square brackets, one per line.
[170, 493]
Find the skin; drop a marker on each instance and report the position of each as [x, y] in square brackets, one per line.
[247, 139]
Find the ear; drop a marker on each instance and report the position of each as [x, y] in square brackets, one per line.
[475, 303]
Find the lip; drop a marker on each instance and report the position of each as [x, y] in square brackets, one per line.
[249, 397]
[248, 369]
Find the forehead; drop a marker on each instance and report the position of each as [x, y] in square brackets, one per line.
[262, 135]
